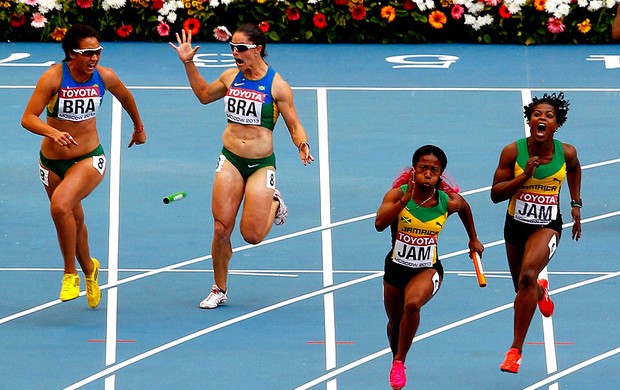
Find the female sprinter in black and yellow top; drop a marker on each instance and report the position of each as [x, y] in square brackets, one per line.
[530, 174]
[416, 209]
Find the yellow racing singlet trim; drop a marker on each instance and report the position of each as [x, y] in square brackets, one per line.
[415, 232]
[537, 201]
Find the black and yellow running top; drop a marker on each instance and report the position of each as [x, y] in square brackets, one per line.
[537, 202]
[415, 232]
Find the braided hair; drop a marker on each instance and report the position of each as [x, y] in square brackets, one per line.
[556, 100]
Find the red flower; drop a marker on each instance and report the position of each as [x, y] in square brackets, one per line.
[359, 12]
[158, 4]
[503, 12]
[264, 27]
[17, 20]
[84, 3]
[191, 26]
[408, 5]
[340, 2]
[319, 21]
[293, 14]
[124, 30]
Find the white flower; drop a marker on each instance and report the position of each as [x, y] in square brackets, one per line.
[170, 6]
[423, 5]
[465, 3]
[477, 22]
[558, 8]
[514, 6]
[595, 5]
[116, 4]
[476, 7]
[48, 5]
[172, 17]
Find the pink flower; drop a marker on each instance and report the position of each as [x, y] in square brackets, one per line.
[163, 29]
[457, 11]
[555, 25]
[38, 20]
[221, 33]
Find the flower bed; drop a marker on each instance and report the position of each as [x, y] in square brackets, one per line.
[319, 21]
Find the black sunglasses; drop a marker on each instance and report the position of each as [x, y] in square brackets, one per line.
[241, 47]
[88, 52]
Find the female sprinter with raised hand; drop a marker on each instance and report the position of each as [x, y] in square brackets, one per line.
[416, 209]
[255, 95]
[530, 174]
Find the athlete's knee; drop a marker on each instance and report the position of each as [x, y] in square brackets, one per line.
[221, 231]
[251, 236]
[527, 279]
[413, 307]
[60, 208]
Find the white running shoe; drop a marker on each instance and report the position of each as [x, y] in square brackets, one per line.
[282, 211]
[216, 297]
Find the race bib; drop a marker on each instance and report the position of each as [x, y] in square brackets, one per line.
[78, 104]
[414, 251]
[271, 179]
[99, 163]
[536, 209]
[44, 175]
[244, 106]
[220, 163]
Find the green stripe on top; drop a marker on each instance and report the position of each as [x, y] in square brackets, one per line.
[426, 214]
[546, 170]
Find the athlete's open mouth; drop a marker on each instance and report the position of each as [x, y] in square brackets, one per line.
[541, 128]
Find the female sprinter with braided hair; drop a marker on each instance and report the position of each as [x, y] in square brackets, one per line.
[416, 209]
[530, 174]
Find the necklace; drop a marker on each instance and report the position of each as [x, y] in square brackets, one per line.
[429, 198]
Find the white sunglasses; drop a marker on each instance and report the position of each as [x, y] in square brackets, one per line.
[89, 52]
[241, 47]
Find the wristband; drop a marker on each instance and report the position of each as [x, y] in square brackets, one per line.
[576, 203]
[302, 144]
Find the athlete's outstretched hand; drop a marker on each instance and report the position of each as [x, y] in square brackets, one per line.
[184, 49]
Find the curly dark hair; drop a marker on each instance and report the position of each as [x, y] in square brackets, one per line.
[556, 100]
